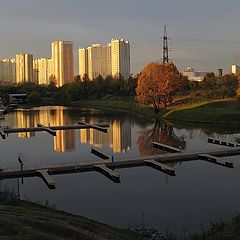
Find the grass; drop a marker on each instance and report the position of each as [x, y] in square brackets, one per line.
[117, 106]
[30, 221]
[218, 111]
[215, 111]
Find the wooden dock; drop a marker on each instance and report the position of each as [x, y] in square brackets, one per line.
[223, 143]
[165, 147]
[4, 131]
[107, 167]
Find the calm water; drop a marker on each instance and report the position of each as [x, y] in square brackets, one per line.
[200, 192]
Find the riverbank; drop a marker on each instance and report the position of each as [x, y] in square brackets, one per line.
[27, 221]
[214, 112]
[209, 112]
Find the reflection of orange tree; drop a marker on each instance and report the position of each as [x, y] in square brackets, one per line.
[160, 132]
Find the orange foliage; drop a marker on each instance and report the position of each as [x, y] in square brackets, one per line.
[158, 83]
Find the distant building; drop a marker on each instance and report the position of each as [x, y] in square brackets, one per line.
[99, 60]
[24, 68]
[120, 54]
[193, 75]
[83, 61]
[111, 59]
[235, 69]
[43, 70]
[62, 60]
[7, 71]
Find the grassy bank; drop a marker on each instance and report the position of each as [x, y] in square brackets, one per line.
[220, 111]
[31, 221]
[217, 111]
[118, 106]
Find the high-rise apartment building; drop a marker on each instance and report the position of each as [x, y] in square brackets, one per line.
[62, 60]
[95, 61]
[42, 69]
[7, 71]
[83, 61]
[120, 55]
[111, 59]
[99, 60]
[24, 68]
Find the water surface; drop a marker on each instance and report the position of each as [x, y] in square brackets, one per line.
[200, 192]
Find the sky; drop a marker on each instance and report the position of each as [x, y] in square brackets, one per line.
[204, 34]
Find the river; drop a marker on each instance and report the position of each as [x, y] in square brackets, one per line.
[200, 191]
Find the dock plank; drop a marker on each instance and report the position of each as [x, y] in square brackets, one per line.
[47, 129]
[223, 143]
[94, 126]
[109, 173]
[99, 154]
[216, 160]
[165, 147]
[47, 178]
[160, 166]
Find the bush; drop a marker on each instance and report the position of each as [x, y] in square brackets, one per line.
[34, 97]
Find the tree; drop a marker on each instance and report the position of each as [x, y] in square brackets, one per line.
[158, 83]
[77, 78]
[52, 82]
[34, 97]
[74, 91]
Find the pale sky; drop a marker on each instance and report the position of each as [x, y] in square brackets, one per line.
[204, 33]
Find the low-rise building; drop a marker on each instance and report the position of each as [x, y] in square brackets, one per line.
[193, 75]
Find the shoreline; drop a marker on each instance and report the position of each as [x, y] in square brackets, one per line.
[26, 220]
[218, 112]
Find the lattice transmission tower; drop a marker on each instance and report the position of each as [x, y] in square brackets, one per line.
[165, 46]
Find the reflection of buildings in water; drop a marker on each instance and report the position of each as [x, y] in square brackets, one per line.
[25, 120]
[118, 136]
[64, 140]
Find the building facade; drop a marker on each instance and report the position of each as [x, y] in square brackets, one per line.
[83, 61]
[112, 59]
[193, 75]
[120, 55]
[7, 71]
[24, 68]
[62, 60]
[99, 61]
[42, 69]
[235, 69]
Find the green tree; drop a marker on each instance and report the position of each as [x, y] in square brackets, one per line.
[74, 91]
[34, 97]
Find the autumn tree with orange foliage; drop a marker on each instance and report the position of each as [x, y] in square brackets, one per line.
[158, 83]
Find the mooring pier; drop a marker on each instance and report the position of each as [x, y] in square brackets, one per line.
[107, 167]
[5, 130]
